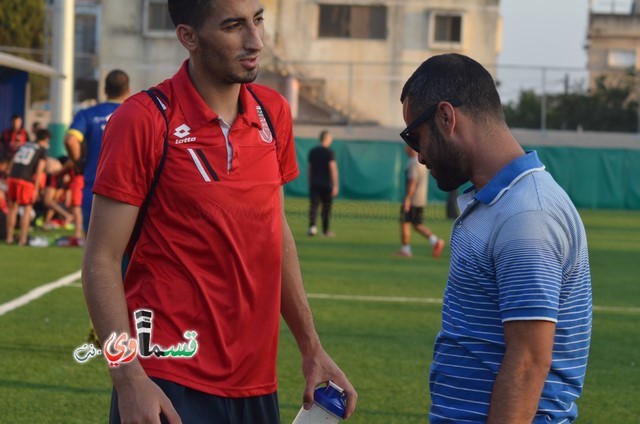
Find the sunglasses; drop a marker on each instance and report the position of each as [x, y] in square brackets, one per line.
[424, 117]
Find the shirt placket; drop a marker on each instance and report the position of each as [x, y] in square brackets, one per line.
[226, 130]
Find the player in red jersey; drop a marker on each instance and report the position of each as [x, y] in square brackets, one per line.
[214, 254]
[25, 170]
[55, 193]
[13, 137]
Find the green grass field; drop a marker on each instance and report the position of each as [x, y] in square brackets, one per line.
[384, 345]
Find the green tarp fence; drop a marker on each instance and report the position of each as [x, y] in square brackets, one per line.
[374, 170]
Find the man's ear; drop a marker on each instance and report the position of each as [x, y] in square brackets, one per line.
[446, 117]
[187, 36]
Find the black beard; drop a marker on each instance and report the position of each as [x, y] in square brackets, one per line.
[449, 163]
[248, 77]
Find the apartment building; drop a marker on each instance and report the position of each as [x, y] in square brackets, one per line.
[613, 46]
[337, 61]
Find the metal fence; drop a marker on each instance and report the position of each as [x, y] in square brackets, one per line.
[336, 84]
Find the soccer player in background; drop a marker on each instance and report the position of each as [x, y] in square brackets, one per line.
[13, 137]
[412, 209]
[83, 142]
[323, 184]
[25, 171]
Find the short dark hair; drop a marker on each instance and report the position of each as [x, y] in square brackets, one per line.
[323, 134]
[16, 116]
[116, 84]
[454, 76]
[42, 134]
[190, 12]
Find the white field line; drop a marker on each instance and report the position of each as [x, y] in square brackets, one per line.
[38, 292]
[627, 309]
[435, 301]
[375, 298]
[72, 278]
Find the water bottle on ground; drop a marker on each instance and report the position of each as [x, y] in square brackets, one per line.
[328, 406]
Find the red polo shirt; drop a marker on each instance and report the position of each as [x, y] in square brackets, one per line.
[209, 254]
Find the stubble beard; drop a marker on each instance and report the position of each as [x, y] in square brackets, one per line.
[450, 164]
[248, 77]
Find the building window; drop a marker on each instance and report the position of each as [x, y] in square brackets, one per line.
[156, 19]
[447, 28]
[85, 85]
[621, 59]
[85, 46]
[345, 21]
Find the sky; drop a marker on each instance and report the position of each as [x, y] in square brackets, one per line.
[546, 33]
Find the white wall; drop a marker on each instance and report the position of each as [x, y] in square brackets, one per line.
[147, 60]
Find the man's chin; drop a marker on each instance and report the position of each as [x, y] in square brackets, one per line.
[247, 77]
[447, 185]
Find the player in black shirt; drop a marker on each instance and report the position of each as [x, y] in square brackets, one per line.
[25, 171]
[323, 183]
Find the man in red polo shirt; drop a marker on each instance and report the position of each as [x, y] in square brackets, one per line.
[215, 257]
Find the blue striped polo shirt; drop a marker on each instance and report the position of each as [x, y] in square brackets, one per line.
[518, 252]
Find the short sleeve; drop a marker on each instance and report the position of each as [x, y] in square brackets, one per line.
[286, 144]
[80, 125]
[529, 255]
[412, 173]
[131, 149]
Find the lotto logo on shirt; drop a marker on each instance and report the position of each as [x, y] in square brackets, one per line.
[182, 132]
[121, 349]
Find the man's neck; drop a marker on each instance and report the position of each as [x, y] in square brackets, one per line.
[495, 150]
[220, 97]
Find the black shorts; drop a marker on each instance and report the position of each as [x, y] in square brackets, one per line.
[415, 215]
[197, 407]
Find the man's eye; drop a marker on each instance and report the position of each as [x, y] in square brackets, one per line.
[232, 26]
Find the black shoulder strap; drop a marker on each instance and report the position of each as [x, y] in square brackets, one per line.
[162, 103]
[266, 114]
[269, 123]
[156, 95]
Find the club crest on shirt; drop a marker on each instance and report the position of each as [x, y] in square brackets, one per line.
[265, 132]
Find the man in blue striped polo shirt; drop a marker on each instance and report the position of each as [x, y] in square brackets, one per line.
[516, 319]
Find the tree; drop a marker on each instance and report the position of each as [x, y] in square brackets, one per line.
[525, 113]
[613, 100]
[22, 23]
[23, 27]
[611, 106]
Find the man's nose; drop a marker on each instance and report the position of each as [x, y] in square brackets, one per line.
[254, 38]
[421, 158]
